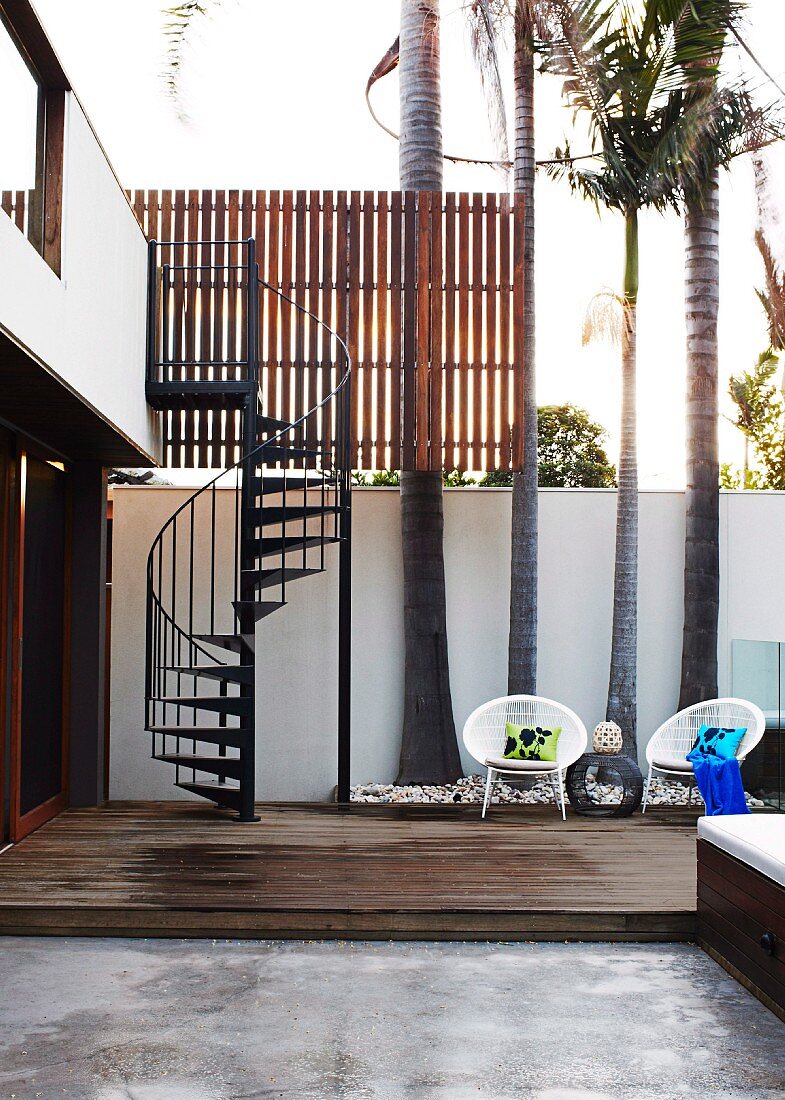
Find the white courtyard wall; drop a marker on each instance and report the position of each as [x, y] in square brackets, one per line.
[296, 647]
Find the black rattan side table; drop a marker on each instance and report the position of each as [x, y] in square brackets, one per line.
[623, 772]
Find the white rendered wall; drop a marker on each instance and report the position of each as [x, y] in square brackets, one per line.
[296, 685]
[88, 327]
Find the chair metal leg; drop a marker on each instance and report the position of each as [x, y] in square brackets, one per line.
[488, 784]
[561, 796]
[646, 792]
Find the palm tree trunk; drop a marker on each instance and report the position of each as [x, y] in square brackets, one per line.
[622, 683]
[522, 652]
[702, 497]
[429, 750]
[419, 68]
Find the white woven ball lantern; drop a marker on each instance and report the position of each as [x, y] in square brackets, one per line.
[607, 738]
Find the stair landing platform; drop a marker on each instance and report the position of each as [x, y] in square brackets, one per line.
[322, 871]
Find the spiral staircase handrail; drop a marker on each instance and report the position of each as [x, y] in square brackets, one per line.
[171, 521]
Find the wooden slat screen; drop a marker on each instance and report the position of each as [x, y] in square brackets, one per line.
[426, 288]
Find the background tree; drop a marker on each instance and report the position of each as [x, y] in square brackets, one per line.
[571, 451]
[429, 749]
[760, 403]
[761, 417]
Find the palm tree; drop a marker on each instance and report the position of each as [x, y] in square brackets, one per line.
[719, 123]
[535, 25]
[637, 88]
[556, 30]
[538, 26]
[666, 126]
[522, 647]
[704, 26]
[429, 750]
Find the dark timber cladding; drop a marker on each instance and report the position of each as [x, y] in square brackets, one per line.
[404, 872]
[741, 923]
[426, 286]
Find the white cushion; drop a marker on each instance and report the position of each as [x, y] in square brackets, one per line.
[756, 839]
[501, 763]
[672, 761]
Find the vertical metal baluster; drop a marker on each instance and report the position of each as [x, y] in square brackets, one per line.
[166, 356]
[149, 706]
[283, 514]
[152, 310]
[306, 460]
[223, 691]
[212, 559]
[322, 517]
[345, 601]
[237, 533]
[172, 658]
[191, 650]
[283, 527]
[161, 621]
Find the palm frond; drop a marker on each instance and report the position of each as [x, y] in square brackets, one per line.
[485, 30]
[604, 319]
[700, 134]
[772, 298]
[178, 20]
[770, 220]
[658, 110]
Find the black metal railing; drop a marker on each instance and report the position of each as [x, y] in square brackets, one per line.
[200, 310]
[226, 555]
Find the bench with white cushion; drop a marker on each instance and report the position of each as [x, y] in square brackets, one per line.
[741, 900]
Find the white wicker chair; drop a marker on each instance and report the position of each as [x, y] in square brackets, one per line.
[484, 735]
[666, 752]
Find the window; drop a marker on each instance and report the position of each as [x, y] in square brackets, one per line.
[22, 130]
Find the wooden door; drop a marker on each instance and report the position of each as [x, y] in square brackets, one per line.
[41, 664]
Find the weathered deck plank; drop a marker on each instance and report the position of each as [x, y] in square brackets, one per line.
[321, 871]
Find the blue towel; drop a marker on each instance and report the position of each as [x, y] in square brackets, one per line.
[719, 782]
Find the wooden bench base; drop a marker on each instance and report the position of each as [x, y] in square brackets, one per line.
[737, 906]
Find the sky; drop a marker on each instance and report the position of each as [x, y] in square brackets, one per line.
[274, 95]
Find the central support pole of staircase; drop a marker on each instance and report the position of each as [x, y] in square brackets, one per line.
[247, 622]
[345, 598]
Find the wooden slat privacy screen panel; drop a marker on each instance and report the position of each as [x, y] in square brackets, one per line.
[16, 204]
[426, 288]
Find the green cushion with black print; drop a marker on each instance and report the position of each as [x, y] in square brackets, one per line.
[531, 743]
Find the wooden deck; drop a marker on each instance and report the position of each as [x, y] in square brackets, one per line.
[378, 872]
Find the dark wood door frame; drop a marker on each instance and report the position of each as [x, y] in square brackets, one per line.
[22, 824]
[6, 459]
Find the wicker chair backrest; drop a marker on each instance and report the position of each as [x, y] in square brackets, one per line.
[678, 734]
[484, 732]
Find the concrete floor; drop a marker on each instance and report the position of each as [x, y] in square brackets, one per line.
[201, 1020]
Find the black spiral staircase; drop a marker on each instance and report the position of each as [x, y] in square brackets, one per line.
[225, 559]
